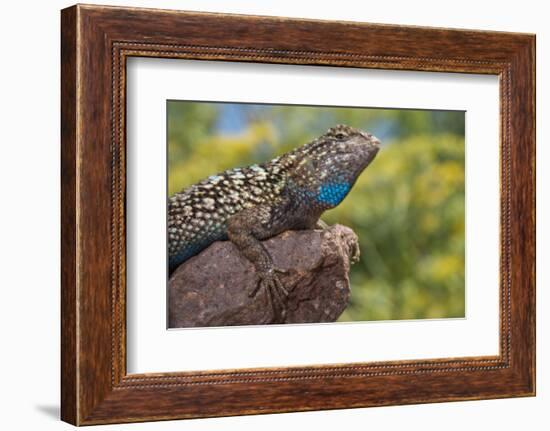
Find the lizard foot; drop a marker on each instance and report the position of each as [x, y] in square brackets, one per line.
[277, 293]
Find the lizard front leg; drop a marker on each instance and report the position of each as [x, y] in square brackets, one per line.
[245, 229]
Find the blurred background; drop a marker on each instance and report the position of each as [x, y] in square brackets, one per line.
[407, 207]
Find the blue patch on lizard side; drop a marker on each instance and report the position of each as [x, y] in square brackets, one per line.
[191, 249]
[333, 193]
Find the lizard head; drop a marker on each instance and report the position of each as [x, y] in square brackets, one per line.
[330, 165]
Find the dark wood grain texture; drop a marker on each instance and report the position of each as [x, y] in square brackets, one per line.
[68, 217]
[96, 41]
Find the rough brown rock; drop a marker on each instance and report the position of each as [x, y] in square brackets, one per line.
[211, 289]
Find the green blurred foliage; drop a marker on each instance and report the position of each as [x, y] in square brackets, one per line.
[407, 207]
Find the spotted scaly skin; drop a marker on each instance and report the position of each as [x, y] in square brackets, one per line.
[250, 204]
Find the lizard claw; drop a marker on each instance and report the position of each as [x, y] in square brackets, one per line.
[269, 280]
[270, 277]
[321, 225]
[355, 253]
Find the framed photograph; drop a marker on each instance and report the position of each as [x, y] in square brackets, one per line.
[263, 214]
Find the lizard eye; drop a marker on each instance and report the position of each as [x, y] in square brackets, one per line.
[340, 135]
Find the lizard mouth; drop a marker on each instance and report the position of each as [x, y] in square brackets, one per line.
[371, 154]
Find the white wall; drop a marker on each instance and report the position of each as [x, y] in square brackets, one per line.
[29, 215]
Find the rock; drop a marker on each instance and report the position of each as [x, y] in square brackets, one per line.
[211, 289]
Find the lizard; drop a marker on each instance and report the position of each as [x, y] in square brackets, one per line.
[249, 204]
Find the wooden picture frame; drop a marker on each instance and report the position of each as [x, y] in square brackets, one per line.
[95, 43]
